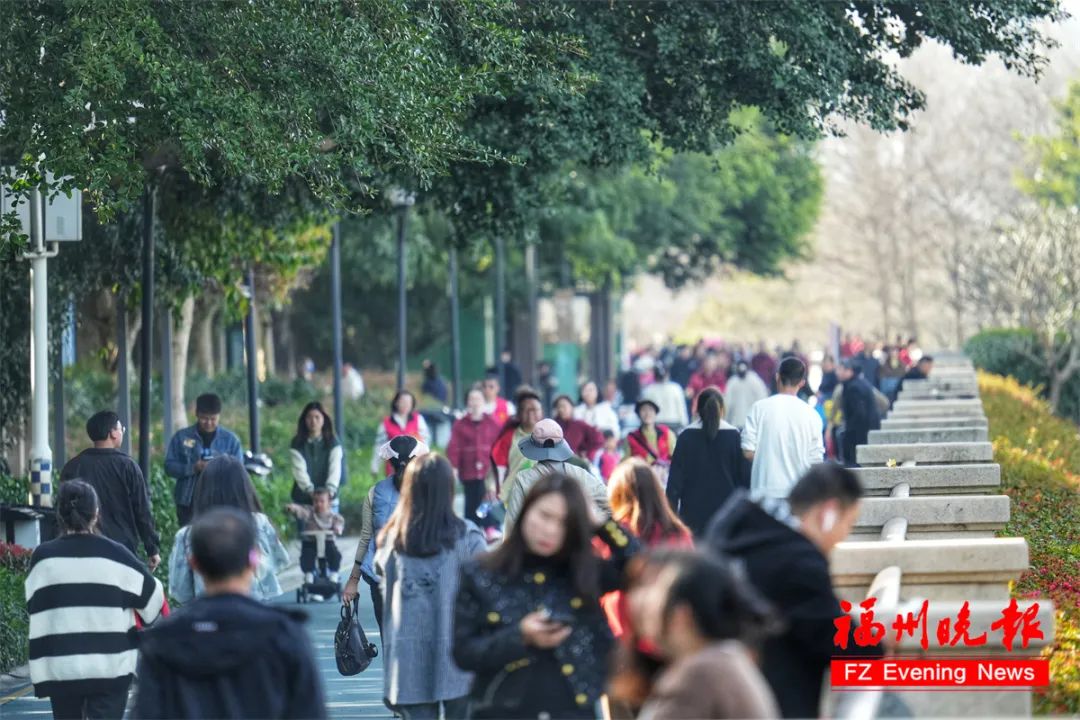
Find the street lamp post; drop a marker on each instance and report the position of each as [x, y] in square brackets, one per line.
[40, 452]
[146, 337]
[401, 201]
[455, 329]
[252, 361]
[335, 306]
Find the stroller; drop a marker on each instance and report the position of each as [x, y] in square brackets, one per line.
[321, 585]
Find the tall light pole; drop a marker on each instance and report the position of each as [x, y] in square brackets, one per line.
[40, 452]
[401, 201]
[500, 312]
[455, 329]
[335, 307]
[252, 362]
[146, 337]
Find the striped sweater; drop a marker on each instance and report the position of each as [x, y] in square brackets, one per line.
[81, 592]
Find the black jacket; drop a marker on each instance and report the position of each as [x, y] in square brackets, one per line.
[704, 473]
[793, 575]
[514, 680]
[228, 656]
[860, 415]
[122, 493]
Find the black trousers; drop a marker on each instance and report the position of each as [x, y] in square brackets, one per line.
[376, 602]
[308, 557]
[81, 706]
[474, 495]
[183, 515]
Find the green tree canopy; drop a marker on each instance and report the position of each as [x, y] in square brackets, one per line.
[1057, 174]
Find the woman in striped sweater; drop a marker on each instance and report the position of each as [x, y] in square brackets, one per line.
[80, 593]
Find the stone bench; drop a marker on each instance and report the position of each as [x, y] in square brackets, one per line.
[930, 413]
[932, 479]
[939, 569]
[934, 516]
[925, 453]
[934, 393]
[928, 435]
[891, 423]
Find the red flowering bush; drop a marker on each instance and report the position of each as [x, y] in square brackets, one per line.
[14, 620]
[1039, 456]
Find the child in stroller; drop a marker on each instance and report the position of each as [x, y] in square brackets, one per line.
[320, 559]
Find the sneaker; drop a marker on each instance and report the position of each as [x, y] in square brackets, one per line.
[315, 597]
[333, 577]
[309, 578]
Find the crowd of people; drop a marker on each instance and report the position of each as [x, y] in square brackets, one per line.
[670, 562]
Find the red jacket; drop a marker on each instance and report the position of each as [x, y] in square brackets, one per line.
[582, 437]
[469, 450]
[701, 380]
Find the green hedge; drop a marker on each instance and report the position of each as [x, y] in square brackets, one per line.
[14, 620]
[1016, 353]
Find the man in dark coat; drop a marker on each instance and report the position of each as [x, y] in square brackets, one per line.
[785, 556]
[860, 409]
[226, 655]
[919, 371]
[121, 488]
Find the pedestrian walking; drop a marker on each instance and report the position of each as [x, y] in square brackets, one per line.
[783, 436]
[744, 388]
[421, 551]
[469, 450]
[638, 503]
[669, 397]
[225, 483]
[433, 384]
[402, 420]
[707, 464]
[859, 408]
[316, 455]
[227, 655]
[375, 513]
[547, 447]
[125, 514]
[81, 591]
[495, 405]
[597, 412]
[506, 457]
[785, 553]
[610, 457]
[703, 623]
[711, 374]
[528, 621]
[652, 442]
[192, 448]
[584, 439]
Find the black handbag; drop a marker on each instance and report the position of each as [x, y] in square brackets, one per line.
[352, 651]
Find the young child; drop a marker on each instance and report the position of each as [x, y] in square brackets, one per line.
[611, 456]
[318, 516]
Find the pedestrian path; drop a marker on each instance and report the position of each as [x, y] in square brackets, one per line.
[359, 696]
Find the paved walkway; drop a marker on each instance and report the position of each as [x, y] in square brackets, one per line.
[359, 696]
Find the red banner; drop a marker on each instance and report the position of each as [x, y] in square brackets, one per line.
[926, 673]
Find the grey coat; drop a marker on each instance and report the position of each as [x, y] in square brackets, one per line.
[418, 621]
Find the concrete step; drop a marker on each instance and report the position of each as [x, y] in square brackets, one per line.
[940, 569]
[934, 516]
[931, 453]
[938, 405]
[891, 423]
[933, 479]
[928, 435]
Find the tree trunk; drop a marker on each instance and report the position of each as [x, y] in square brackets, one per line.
[287, 341]
[204, 354]
[266, 335]
[134, 325]
[181, 340]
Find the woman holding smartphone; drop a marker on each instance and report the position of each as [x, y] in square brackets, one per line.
[528, 620]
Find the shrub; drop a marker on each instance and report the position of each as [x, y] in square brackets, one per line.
[1016, 353]
[14, 490]
[14, 620]
[1039, 455]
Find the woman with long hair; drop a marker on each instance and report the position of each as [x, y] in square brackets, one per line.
[379, 505]
[707, 466]
[596, 411]
[696, 624]
[528, 620]
[225, 483]
[80, 593]
[404, 419]
[638, 503]
[421, 551]
[315, 453]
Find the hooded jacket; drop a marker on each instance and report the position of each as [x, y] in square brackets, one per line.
[793, 575]
[228, 656]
